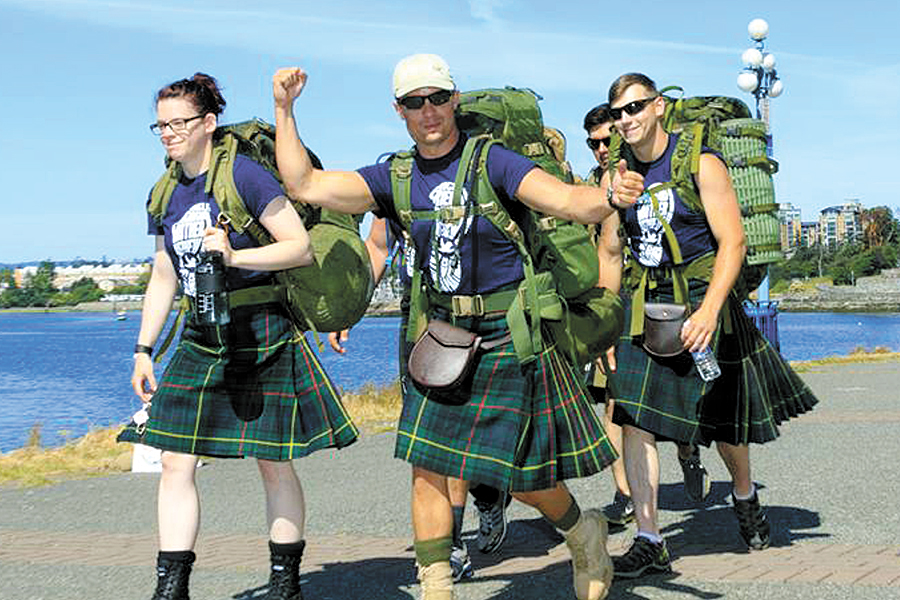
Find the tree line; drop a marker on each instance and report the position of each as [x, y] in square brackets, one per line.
[38, 290]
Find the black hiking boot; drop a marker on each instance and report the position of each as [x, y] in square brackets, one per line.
[172, 578]
[752, 521]
[284, 578]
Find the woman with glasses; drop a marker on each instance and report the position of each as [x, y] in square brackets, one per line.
[251, 387]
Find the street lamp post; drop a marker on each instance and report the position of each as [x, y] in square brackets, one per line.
[760, 78]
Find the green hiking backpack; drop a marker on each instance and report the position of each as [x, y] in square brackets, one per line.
[329, 295]
[559, 293]
[724, 125]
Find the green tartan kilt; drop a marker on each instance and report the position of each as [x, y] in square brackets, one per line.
[756, 392]
[523, 428]
[263, 394]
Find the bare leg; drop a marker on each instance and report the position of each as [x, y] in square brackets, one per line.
[642, 467]
[457, 489]
[737, 461]
[614, 433]
[552, 503]
[285, 506]
[431, 513]
[178, 503]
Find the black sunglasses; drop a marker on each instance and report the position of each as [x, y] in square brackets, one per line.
[416, 102]
[632, 108]
[594, 143]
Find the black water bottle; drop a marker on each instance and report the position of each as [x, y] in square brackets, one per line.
[212, 296]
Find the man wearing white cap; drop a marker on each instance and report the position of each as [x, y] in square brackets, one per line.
[518, 427]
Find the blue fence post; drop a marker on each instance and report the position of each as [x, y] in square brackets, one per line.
[765, 316]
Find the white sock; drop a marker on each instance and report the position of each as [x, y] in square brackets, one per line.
[748, 496]
[656, 539]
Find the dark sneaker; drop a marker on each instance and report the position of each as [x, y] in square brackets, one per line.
[621, 511]
[460, 565]
[643, 556]
[696, 479]
[752, 521]
[492, 528]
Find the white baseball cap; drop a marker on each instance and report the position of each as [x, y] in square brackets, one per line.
[419, 71]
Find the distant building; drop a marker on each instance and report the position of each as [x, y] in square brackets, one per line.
[841, 224]
[809, 234]
[790, 223]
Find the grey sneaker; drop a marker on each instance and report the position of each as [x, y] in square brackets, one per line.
[643, 556]
[460, 565]
[696, 479]
[621, 511]
[492, 527]
[754, 525]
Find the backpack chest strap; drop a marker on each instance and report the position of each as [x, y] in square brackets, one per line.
[478, 305]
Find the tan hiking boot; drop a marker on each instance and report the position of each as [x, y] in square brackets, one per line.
[437, 582]
[592, 569]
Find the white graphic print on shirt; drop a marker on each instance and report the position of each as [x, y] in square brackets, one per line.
[445, 264]
[187, 236]
[650, 249]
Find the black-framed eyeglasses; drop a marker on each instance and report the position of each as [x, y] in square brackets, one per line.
[416, 102]
[176, 125]
[632, 108]
[594, 143]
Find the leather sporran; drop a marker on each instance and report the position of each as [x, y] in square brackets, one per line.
[442, 360]
[662, 328]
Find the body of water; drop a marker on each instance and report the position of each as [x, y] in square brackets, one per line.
[71, 371]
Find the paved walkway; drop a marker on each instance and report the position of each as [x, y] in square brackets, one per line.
[833, 510]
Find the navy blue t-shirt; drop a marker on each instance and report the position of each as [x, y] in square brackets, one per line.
[191, 211]
[469, 256]
[645, 232]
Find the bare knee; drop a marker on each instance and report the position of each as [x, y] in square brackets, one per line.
[276, 472]
[178, 466]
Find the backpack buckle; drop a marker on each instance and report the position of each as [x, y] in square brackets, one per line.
[467, 306]
[402, 168]
[451, 214]
[547, 223]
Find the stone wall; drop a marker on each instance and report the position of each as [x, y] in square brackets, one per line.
[878, 293]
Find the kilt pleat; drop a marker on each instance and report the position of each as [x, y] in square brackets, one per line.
[756, 392]
[263, 394]
[522, 428]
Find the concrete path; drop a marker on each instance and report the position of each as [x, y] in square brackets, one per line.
[829, 484]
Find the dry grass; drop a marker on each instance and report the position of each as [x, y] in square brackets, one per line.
[857, 355]
[97, 453]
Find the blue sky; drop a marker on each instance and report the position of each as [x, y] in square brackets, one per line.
[78, 79]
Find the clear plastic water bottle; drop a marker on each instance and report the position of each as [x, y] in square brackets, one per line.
[212, 295]
[707, 365]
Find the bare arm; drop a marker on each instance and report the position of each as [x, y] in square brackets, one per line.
[609, 249]
[343, 191]
[291, 247]
[157, 305]
[581, 203]
[723, 213]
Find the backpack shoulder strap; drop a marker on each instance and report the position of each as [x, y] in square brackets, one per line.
[220, 181]
[401, 176]
[162, 191]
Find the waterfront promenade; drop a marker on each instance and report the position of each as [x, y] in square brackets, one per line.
[829, 484]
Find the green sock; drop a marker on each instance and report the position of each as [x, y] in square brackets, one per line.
[568, 520]
[429, 552]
